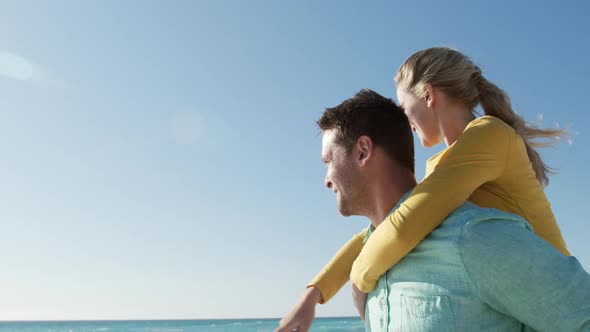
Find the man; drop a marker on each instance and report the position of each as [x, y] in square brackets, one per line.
[481, 270]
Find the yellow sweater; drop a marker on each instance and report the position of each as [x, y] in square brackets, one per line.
[488, 165]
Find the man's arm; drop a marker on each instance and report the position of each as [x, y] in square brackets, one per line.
[360, 301]
[303, 313]
[523, 276]
[323, 286]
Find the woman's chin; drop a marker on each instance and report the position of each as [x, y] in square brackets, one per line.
[428, 143]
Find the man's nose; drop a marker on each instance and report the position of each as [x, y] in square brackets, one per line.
[328, 182]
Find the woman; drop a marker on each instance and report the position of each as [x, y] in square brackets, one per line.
[490, 161]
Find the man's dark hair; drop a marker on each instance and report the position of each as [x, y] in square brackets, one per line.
[368, 113]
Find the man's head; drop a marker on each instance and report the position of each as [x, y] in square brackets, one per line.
[361, 136]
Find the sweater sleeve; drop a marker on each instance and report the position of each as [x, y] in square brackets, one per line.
[336, 273]
[478, 156]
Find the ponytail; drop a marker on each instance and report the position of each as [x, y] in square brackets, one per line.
[496, 102]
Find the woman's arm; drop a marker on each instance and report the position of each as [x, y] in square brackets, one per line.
[337, 272]
[478, 156]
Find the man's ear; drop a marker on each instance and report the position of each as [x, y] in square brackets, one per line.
[364, 149]
[430, 97]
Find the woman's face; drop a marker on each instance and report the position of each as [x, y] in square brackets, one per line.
[424, 120]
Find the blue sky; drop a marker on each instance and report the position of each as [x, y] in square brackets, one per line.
[160, 159]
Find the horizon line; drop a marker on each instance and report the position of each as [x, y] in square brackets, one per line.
[153, 319]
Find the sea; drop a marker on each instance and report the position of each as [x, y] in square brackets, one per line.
[214, 325]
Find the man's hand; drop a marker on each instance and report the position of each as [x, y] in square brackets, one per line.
[360, 301]
[302, 314]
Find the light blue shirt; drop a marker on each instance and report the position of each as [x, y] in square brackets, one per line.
[481, 270]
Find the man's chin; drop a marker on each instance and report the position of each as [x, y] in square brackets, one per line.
[344, 208]
[344, 213]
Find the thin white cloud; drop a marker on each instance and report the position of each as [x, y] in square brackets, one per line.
[15, 67]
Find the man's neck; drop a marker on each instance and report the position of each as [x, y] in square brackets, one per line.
[388, 192]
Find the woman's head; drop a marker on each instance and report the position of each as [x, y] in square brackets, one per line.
[444, 69]
[440, 69]
[454, 75]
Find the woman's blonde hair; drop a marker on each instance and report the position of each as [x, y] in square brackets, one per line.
[458, 77]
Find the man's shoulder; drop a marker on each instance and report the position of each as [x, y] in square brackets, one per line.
[486, 231]
[463, 214]
[470, 215]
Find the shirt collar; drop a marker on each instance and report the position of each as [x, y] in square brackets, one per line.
[372, 227]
